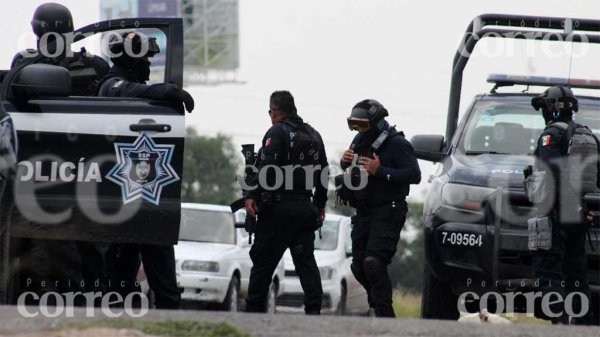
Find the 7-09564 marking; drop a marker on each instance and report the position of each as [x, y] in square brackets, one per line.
[462, 239]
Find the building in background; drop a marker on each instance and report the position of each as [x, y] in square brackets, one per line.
[211, 34]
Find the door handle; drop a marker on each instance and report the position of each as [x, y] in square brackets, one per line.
[150, 127]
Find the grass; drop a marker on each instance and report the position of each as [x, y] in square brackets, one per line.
[170, 328]
[408, 305]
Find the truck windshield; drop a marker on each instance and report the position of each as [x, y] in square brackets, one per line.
[502, 127]
[206, 226]
[329, 232]
[497, 127]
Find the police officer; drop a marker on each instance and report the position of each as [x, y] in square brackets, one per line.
[387, 160]
[566, 259]
[51, 23]
[131, 53]
[127, 77]
[288, 212]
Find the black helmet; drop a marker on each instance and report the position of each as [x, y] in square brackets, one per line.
[555, 102]
[132, 44]
[51, 17]
[366, 114]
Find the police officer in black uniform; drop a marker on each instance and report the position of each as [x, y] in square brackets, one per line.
[52, 21]
[566, 259]
[127, 78]
[288, 215]
[57, 264]
[131, 70]
[388, 162]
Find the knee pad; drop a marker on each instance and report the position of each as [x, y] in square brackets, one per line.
[372, 266]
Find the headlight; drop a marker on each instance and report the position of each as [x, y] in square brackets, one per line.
[326, 273]
[191, 265]
[465, 196]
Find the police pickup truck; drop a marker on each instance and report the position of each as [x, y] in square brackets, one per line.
[92, 169]
[475, 211]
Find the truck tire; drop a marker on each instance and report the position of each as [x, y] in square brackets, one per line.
[233, 293]
[438, 301]
[5, 258]
[4, 261]
[595, 306]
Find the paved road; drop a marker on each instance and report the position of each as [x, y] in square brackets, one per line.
[298, 325]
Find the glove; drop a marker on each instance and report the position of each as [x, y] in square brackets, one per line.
[186, 98]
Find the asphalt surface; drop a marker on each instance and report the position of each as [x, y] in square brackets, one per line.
[11, 322]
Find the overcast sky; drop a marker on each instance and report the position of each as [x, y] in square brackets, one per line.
[333, 53]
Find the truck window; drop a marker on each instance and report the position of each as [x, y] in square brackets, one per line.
[207, 226]
[96, 44]
[502, 127]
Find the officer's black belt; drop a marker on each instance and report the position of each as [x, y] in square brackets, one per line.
[377, 204]
[290, 196]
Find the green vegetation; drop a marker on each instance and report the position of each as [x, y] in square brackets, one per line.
[169, 328]
[209, 168]
[407, 304]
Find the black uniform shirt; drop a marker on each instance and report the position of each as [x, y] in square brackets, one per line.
[399, 166]
[275, 146]
[551, 155]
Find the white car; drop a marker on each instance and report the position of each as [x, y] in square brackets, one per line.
[342, 294]
[212, 259]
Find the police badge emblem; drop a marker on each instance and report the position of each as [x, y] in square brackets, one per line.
[143, 169]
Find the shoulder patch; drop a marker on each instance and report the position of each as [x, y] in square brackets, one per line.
[546, 140]
[268, 141]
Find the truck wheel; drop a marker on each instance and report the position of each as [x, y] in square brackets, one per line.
[233, 294]
[595, 306]
[4, 262]
[438, 301]
[5, 259]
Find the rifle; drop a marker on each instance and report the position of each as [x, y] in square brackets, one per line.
[249, 175]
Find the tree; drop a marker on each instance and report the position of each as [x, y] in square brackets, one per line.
[209, 169]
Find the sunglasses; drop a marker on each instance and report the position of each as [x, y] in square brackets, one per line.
[271, 110]
[358, 124]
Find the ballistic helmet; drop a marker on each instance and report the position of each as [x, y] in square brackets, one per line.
[51, 18]
[555, 102]
[366, 114]
[132, 45]
[130, 51]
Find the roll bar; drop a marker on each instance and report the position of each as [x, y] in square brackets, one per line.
[515, 27]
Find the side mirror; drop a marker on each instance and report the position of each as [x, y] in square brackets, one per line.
[428, 147]
[38, 80]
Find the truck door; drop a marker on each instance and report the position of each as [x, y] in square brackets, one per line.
[96, 168]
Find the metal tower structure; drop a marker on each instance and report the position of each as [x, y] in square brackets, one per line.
[211, 35]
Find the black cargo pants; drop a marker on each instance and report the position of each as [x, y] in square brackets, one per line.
[563, 269]
[285, 224]
[375, 235]
[159, 266]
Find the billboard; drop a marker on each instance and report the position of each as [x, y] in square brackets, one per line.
[158, 8]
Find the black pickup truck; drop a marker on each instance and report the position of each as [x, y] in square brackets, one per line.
[476, 211]
[86, 168]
